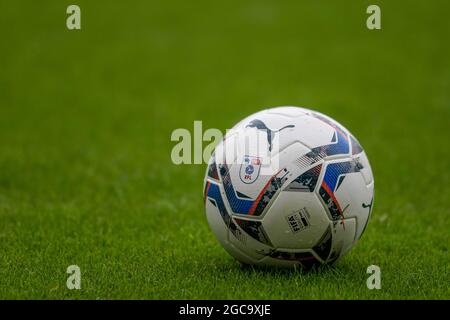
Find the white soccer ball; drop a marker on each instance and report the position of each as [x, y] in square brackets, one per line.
[288, 186]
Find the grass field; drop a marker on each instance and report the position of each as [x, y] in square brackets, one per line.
[86, 117]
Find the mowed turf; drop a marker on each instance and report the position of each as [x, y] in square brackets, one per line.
[85, 122]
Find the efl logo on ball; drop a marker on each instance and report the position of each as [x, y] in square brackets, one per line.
[250, 169]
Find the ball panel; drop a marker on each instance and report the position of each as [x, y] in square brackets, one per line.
[295, 220]
[219, 228]
[240, 255]
[344, 191]
[254, 229]
[230, 235]
[323, 246]
[313, 132]
[357, 198]
[335, 172]
[246, 244]
[343, 232]
[305, 180]
[366, 169]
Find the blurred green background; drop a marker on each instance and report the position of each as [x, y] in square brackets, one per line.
[86, 118]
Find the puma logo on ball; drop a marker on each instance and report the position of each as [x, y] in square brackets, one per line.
[258, 124]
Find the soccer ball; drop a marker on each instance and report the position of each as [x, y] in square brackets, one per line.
[288, 186]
